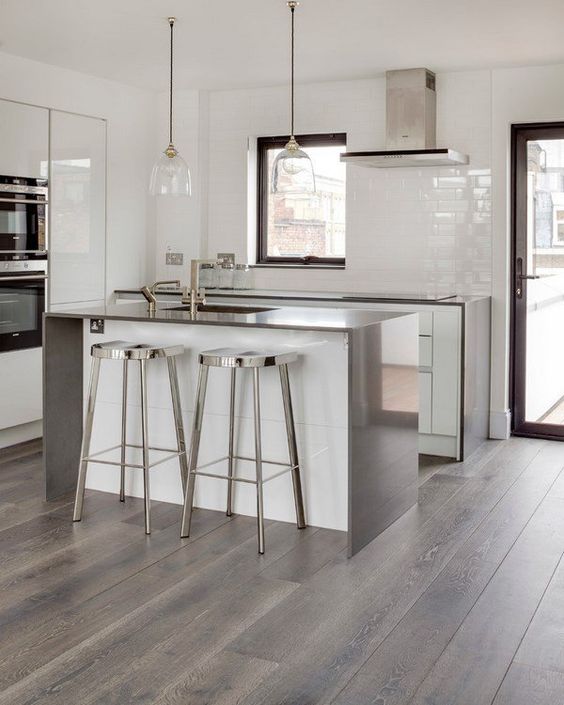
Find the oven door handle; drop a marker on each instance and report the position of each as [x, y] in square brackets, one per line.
[22, 200]
[24, 278]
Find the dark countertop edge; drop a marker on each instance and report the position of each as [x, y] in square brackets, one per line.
[233, 324]
[320, 296]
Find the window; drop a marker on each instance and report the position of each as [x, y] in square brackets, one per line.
[299, 228]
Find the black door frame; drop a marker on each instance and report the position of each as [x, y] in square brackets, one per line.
[520, 135]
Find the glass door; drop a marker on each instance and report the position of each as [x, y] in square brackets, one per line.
[538, 280]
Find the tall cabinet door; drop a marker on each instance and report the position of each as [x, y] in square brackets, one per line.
[77, 196]
[24, 140]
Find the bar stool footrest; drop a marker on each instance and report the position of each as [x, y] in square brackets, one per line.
[286, 468]
[95, 457]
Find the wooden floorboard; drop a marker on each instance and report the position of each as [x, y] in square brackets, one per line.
[459, 602]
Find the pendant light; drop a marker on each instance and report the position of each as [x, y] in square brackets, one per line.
[170, 175]
[292, 171]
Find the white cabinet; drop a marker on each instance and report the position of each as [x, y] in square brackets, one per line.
[425, 402]
[20, 387]
[77, 236]
[24, 140]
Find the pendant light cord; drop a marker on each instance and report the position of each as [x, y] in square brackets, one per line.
[292, 10]
[171, 22]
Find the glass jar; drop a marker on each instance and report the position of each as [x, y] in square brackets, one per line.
[242, 278]
[226, 276]
[207, 276]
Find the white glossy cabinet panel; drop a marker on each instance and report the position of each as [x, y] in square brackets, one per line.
[425, 401]
[77, 238]
[24, 140]
[447, 351]
[20, 387]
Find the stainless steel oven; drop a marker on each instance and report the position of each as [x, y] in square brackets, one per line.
[23, 217]
[22, 303]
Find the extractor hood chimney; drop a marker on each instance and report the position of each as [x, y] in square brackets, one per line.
[411, 122]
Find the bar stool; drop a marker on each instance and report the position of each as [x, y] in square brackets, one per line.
[128, 352]
[255, 360]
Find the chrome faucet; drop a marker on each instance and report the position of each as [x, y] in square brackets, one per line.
[151, 298]
[195, 295]
[150, 291]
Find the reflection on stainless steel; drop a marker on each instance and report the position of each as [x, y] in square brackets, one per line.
[222, 308]
[383, 476]
[292, 317]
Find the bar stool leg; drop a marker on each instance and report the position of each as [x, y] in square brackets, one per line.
[194, 450]
[258, 456]
[123, 432]
[145, 444]
[292, 446]
[86, 437]
[231, 444]
[178, 422]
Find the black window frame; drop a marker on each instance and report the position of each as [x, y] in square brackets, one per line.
[278, 142]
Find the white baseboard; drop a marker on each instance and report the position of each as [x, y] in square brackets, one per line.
[500, 424]
[21, 433]
[433, 444]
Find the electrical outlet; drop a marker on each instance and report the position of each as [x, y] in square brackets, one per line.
[174, 258]
[96, 325]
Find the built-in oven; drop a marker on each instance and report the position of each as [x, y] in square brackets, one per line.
[22, 303]
[23, 217]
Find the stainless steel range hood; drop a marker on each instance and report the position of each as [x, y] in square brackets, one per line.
[410, 125]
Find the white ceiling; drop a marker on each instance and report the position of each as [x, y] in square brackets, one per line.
[227, 44]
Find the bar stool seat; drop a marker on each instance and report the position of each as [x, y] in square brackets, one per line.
[234, 359]
[231, 357]
[128, 352]
[122, 350]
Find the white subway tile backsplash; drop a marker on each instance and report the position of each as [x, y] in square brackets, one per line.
[408, 229]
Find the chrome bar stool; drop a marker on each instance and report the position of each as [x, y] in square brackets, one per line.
[234, 359]
[128, 352]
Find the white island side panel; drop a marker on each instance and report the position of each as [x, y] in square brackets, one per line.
[319, 382]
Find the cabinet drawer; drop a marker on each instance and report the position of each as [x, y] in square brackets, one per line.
[425, 351]
[425, 323]
[425, 401]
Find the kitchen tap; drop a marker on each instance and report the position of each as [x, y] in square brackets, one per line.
[195, 295]
[176, 282]
[151, 298]
[150, 291]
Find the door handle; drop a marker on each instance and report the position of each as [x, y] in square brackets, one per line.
[520, 276]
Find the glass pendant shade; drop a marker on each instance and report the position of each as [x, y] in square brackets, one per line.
[170, 176]
[292, 171]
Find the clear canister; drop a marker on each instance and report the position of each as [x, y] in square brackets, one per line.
[207, 276]
[242, 278]
[226, 272]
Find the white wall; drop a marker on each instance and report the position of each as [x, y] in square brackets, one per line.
[407, 229]
[131, 116]
[180, 221]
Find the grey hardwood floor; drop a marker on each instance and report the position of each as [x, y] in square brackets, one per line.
[460, 602]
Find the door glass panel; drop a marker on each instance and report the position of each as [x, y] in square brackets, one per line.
[544, 378]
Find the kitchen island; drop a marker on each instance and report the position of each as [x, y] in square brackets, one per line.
[454, 355]
[355, 392]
